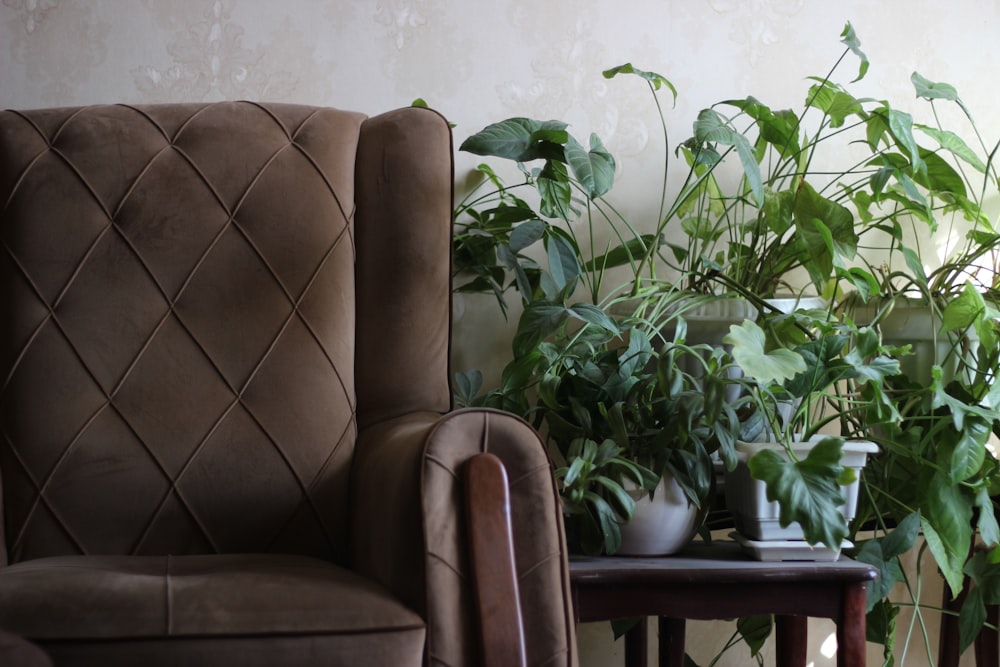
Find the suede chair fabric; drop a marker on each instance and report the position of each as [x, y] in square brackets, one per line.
[225, 434]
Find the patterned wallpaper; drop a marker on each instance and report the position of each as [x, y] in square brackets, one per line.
[479, 61]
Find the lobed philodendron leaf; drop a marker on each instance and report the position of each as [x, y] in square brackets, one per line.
[749, 351]
[808, 490]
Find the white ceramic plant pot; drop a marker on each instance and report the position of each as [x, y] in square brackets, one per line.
[756, 518]
[660, 526]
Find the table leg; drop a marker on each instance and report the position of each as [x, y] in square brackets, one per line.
[671, 642]
[636, 645]
[987, 646]
[791, 638]
[851, 627]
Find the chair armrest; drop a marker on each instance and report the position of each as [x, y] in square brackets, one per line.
[409, 531]
[494, 570]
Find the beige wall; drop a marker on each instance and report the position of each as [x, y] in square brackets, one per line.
[481, 61]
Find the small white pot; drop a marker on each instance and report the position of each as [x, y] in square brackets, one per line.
[756, 517]
[660, 526]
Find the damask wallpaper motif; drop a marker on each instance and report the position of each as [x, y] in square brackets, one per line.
[479, 61]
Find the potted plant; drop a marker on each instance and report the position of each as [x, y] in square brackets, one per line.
[804, 373]
[936, 475]
[627, 422]
[761, 197]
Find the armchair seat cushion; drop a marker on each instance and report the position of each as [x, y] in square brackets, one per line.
[97, 599]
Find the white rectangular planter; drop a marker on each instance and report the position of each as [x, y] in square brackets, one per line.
[755, 516]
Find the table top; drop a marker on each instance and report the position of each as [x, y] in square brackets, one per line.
[722, 561]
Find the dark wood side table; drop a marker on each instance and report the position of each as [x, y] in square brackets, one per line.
[712, 582]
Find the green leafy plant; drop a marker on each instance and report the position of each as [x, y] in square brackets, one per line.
[803, 372]
[618, 402]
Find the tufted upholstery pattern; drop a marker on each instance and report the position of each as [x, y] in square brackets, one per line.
[225, 434]
[147, 345]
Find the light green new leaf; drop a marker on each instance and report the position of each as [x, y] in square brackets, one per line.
[555, 190]
[963, 311]
[515, 138]
[901, 124]
[655, 80]
[749, 351]
[850, 39]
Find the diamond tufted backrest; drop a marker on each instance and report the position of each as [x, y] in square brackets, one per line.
[178, 325]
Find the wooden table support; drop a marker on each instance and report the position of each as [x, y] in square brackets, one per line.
[712, 582]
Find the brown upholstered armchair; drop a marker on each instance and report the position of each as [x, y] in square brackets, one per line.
[225, 434]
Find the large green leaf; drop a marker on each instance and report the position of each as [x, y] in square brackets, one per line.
[526, 234]
[826, 230]
[808, 491]
[538, 321]
[755, 630]
[884, 553]
[835, 102]
[947, 525]
[594, 168]
[776, 366]
[519, 139]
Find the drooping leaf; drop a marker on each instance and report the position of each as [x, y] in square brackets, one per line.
[947, 524]
[712, 127]
[594, 168]
[555, 190]
[656, 80]
[755, 630]
[954, 144]
[850, 39]
[563, 265]
[631, 251]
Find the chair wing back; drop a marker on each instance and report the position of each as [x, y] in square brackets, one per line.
[178, 329]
